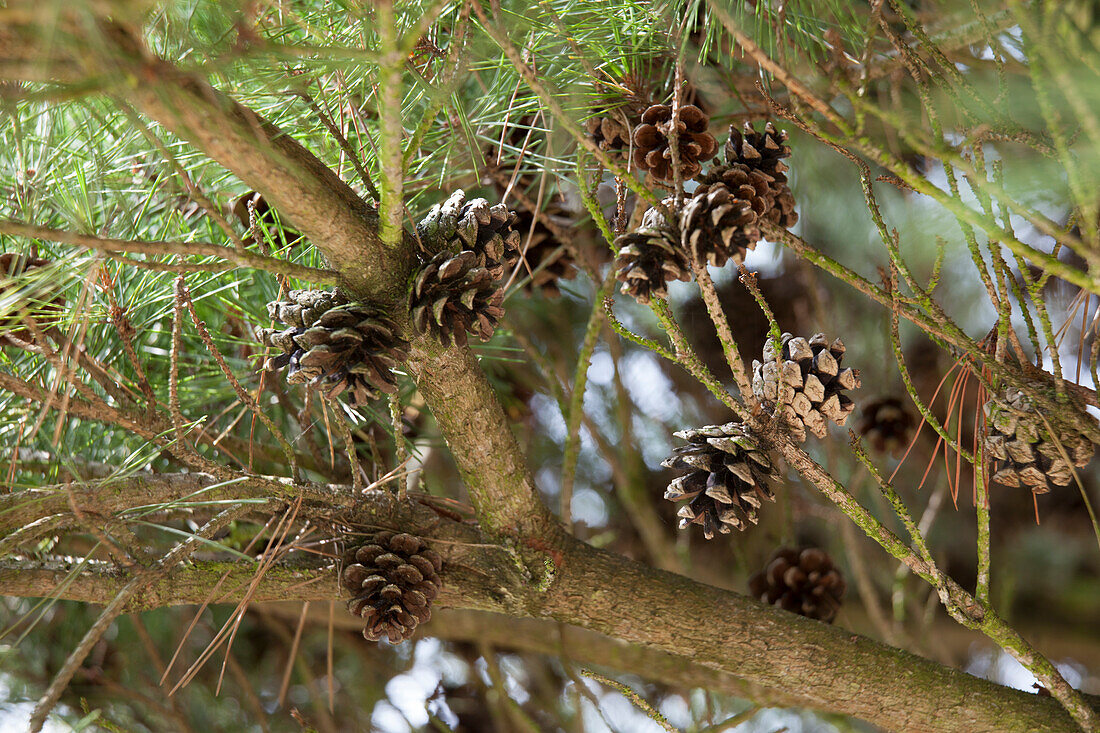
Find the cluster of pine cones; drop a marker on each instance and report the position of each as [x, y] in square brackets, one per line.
[721, 219]
[336, 345]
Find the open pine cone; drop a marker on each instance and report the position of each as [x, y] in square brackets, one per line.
[718, 222]
[754, 172]
[804, 384]
[487, 231]
[1019, 440]
[762, 151]
[651, 144]
[804, 582]
[33, 299]
[453, 294]
[727, 479]
[392, 579]
[334, 345]
[649, 257]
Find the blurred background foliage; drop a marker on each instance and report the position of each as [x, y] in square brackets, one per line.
[71, 159]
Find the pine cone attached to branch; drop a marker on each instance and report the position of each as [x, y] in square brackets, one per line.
[804, 384]
[649, 257]
[335, 345]
[542, 254]
[755, 172]
[804, 582]
[1020, 441]
[727, 479]
[762, 151]
[392, 579]
[488, 231]
[718, 222]
[453, 294]
[651, 141]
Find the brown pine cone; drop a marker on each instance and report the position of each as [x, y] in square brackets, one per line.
[755, 172]
[649, 257]
[264, 216]
[717, 224]
[727, 479]
[542, 255]
[762, 151]
[487, 231]
[334, 345]
[33, 298]
[803, 582]
[886, 425]
[453, 294]
[610, 135]
[392, 579]
[651, 145]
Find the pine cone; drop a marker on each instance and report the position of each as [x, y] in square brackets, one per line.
[727, 479]
[804, 384]
[649, 257]
[806, 583]
[755, 172]
[32, 299]
[537, 248]
[487, 231]
[453, 294]
[392, 579]
[718, 223]
[610, 135]
[334, 345]
[651, 145]
[762, 151]
[1018, 438]
[886, 424]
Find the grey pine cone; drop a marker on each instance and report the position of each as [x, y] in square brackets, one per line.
[804, 384]
[392, 579]
[1018, 439]
[334, 345]
[727, 479]
[487, 230]
[453, 294]
[649, 257]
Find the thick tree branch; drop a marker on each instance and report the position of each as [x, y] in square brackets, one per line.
[825, 667]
